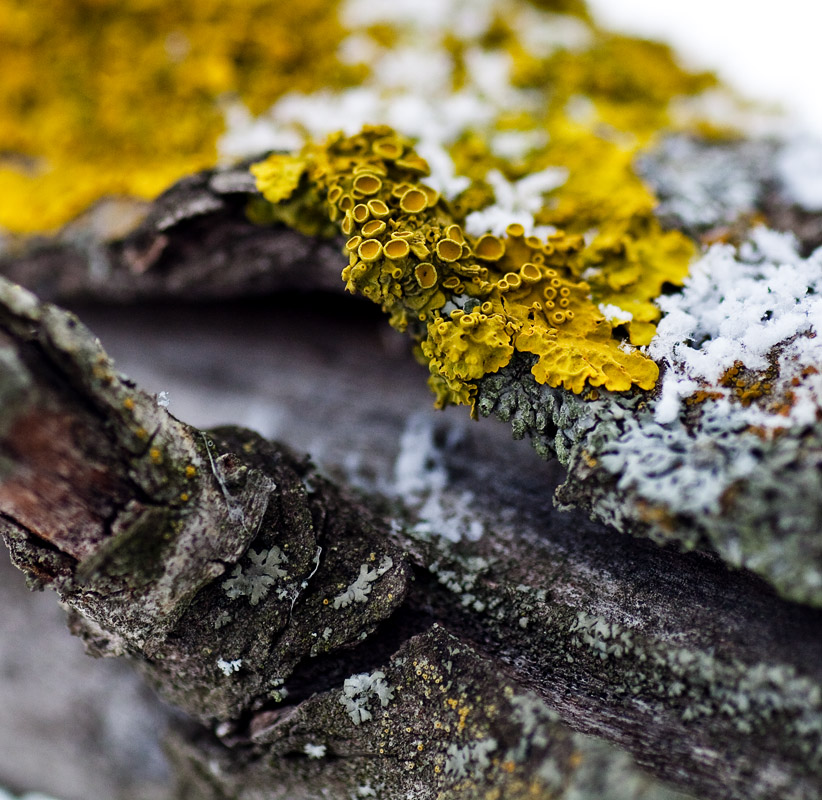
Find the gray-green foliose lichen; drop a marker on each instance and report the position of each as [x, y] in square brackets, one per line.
[704, 477]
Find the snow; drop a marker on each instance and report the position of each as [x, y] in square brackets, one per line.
[516, 201]
[409, 89]
[421, 481]
[745, 307]
[615, 313]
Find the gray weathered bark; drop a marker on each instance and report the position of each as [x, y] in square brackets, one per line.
[196, 243]
[703, 674]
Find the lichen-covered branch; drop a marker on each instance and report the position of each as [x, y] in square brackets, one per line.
[721, 440]
[159, 535]
[322, 648]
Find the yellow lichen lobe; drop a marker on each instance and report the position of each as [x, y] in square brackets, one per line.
[468, 346]
[278, 176]
[571, 361]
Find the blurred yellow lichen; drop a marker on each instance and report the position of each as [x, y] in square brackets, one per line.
[122, 97]
[281, 175]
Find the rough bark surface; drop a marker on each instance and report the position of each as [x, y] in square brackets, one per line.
[195, 243]
[317, 645]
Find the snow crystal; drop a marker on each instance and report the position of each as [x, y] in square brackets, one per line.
[410, 89]
[742, 307]
[543, 34]
[516, 201]
[615, 313]
[419, 466]
[432, 17]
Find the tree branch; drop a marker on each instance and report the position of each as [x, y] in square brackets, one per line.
[265, 603]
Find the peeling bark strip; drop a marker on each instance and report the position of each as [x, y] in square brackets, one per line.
[194, 242]
[160, 536]
[323, 649]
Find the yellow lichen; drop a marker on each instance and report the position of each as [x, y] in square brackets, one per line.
[515, 292]
[468, 346]
[602, 105]
[280, 175]
[127, 101]
[123, 97]
[629, 257]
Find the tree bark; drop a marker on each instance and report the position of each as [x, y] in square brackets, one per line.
[321, 642]
[195, 243]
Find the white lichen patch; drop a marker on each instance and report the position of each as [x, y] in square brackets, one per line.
[535, 720]
[358, 591]
[469, 760]
[314, 750]
[360, 690]
[229, 667]
[680, 470]
[747, 694]
[258, 577]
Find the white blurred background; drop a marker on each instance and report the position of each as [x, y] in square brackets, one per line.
[768, 51]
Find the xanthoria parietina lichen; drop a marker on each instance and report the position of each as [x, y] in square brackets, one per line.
[132, 95]
[468, 301]
[581, 298]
